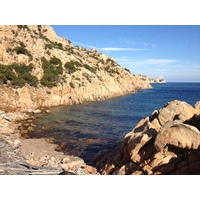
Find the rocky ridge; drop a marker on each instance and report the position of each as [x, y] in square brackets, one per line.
[40, 69]
[166, 142]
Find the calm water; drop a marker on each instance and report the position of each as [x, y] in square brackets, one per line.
[85, 129]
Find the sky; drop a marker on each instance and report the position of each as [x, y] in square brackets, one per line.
[168, 51]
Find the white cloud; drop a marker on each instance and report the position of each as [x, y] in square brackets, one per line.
[82, 44]
[146, 61]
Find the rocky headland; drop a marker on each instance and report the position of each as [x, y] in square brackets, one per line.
[40, 69]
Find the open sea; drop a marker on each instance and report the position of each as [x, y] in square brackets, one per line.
[85, 129]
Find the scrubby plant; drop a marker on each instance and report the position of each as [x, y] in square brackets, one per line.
[18, 75]
[2, 78]
[93, 70]
[127, 70]
[52, 70]
[55, 61]
[70, 66]
[21, 50]
[72, 85]
[111, 71]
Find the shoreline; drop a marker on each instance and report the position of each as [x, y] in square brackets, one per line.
[26, 147]
[37, 154]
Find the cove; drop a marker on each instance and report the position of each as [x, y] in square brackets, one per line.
[85, 129]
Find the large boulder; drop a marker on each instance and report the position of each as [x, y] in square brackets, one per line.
[176, 110]
[167, 142]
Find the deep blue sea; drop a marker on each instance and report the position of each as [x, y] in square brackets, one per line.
[87, 128]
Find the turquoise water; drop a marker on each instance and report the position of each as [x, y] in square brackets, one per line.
[87, 128]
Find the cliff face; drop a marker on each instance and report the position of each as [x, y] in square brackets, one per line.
[38, 68]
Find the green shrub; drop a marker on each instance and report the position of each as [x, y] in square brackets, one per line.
[30, 79]
[55, 61]
[70, 66]
[127, 70]
[52, 70]
[72, 85]
[111, 71]
[21, 50]
[22, 44]
[18, 75]
[3, 79]
[49, 80]
[19, 81]
[93, 70]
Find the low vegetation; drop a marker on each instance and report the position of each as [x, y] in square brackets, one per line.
[52, 71]
[17, 75]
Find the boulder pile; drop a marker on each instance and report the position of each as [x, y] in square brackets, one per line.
[166, 142]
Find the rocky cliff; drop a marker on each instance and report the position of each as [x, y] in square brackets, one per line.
[167, 142]
[40, 69]
[152, 80]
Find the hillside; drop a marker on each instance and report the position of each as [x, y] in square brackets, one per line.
[40, 69]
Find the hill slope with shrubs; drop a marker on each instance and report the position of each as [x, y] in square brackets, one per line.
[39, 68]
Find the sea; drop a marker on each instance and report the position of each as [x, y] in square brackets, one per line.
[85, 129]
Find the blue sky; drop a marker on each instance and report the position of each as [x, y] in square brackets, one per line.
[168, 51]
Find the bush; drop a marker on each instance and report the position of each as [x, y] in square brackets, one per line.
[30, 79]
[52, 70]
[93, 70]
[19, 81]
[3, 79]
[21, 50]
[49, 80]
[55, 61]
[70, 66]
[18, 75]
[111, 71]
[72, 85]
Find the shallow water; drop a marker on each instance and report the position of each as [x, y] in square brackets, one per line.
[85, 129]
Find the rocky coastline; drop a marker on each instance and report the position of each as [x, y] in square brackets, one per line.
[39, 69]
[167, 142]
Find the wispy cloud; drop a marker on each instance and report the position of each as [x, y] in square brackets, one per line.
[84, 45]
[134, 62]
[120, 49]
[109, 48]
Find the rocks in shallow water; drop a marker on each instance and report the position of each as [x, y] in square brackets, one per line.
[33, 156]
[160, 144]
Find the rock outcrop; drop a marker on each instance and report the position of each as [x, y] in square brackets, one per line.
[152, 80]
[167, 142]
[40, 69]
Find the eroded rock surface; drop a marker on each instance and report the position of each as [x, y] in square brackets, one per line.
[167, 142]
